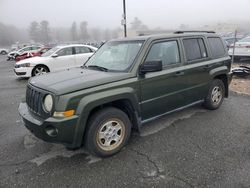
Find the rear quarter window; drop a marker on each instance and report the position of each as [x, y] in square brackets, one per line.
[216, 46]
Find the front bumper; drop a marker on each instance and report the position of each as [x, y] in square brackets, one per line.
[23, 71]
[64, 129]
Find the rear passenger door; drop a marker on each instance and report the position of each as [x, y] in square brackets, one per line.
[165, 90]
[197, 65]
[201, 56]
[82, 54]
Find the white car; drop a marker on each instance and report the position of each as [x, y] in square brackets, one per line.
[242, 48]
[12, 55]
[56, 59]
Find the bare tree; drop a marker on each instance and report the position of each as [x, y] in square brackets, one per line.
[10, 34]
[34, 31]
[137, 24]
[96, 34]
[84, 31]
[73, 32]
[45, 31]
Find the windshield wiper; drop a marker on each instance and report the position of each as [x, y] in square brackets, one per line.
[98, 67]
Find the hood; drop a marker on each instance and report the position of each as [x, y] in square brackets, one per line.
[33, 60]
[75, 79]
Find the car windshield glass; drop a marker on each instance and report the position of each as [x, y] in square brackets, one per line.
[115, 55]
[245, 40]
[50, 52]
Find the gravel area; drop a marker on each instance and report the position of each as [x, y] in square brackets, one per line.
[240, 85]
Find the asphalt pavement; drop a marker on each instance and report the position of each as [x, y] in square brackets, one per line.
[191, 148]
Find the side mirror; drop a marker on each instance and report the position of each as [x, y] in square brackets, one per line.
[54, 55]
[151, 66]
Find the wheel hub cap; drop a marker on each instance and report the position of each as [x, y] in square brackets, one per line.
[40, 71]
[216, 95]
[111, 134]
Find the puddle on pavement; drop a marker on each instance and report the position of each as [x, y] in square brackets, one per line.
[61, 151]
[56, 150]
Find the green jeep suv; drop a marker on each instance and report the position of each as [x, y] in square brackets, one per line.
[125, 84]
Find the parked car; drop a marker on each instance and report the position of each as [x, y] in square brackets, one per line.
[12, 55]
[230, 40]
[56, 59]
[127, 83]
[242, 48]
[28, 54]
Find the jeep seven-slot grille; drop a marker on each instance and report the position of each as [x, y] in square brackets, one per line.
[34, 100]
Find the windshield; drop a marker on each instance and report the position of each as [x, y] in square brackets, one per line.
[115, 55]
[50, 52]
[247, 39]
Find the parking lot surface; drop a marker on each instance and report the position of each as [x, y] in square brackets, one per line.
[191, 148]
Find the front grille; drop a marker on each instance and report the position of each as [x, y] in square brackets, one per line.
[34, 100]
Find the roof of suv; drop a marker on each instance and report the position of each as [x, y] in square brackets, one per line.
[169, 35]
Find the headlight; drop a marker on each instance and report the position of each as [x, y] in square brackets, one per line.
[48, 103]
[25, 65]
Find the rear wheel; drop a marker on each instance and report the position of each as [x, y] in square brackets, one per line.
[108, 131]
[39, 70]
[215, 95]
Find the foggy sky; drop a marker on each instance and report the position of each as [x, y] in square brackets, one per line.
[108, 13]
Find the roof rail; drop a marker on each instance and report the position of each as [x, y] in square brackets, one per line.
[180, 32]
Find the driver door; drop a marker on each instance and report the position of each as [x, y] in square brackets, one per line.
[64, 60]
[163, 91]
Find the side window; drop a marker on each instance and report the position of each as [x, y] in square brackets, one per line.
[44, 50]
[167, 52]
[216, 46]
[194, 49]
[35, 48]
[65, 51]
[82, 50]
[27, 49]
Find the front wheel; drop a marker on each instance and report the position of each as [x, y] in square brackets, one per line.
[215, 95]
[39, 70]
[108, 131]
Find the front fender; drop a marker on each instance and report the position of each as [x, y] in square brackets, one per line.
[88, 103]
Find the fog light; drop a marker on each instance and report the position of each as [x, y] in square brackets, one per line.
[51, 131]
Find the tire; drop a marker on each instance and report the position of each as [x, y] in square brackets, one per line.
[3, 52]
[215, 95]
[108, 131]
[39, 70]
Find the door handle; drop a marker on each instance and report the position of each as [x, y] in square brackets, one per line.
[179, 73]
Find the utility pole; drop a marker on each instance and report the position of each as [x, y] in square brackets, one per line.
[235, 35]
[124, 19]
